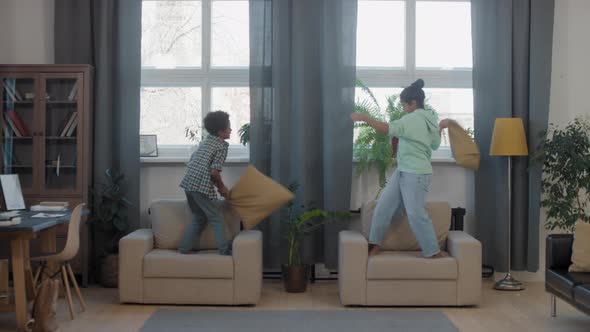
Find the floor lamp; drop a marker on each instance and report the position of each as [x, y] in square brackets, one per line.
[509, 140]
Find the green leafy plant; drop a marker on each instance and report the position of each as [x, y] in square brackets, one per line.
[192, 133]
[110, 216]
[565, 154]
[301, 222]
[244, 133]
[372, 148]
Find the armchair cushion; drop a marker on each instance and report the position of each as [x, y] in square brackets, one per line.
[163, 263]
[169, 219]
[400, 236]
[581, 248]
[410, 265]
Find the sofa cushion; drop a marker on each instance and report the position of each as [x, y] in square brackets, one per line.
[410, 265]
[163, 263]
[581, 248]
[169, 219]
[582, 296]
[563, 281]
[400, 235]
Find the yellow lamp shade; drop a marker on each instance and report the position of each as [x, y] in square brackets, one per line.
[508, 138]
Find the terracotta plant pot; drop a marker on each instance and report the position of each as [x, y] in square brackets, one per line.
[109, 271]
[295, 278]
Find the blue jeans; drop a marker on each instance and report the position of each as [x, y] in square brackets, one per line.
[405, 190]
[204, 209]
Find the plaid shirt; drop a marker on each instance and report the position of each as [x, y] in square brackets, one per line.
[210, 155]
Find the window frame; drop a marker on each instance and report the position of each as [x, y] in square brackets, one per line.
[206, 77]
[393, 77]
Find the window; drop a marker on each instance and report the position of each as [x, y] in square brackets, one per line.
[194, 57]
[400, 41]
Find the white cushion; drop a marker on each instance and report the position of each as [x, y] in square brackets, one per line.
[400, 235]
[162, 263]
[410, 265]
[170, 218]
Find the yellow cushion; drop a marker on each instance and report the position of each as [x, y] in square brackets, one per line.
[464, 149]
[256, 196]
[581, 248]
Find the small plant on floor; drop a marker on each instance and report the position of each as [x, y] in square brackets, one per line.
[110, 223]
[565, 154]
[301, 222]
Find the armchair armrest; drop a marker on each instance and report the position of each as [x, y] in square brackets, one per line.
[353, 254]
[132, 249]
[467, 251]
[558, 251]
[247, 255]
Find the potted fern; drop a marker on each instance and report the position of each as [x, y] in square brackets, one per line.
[300, 223]
[565, 154]
[372, 148]
[110, 224]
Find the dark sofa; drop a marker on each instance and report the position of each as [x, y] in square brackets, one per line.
[574, 287]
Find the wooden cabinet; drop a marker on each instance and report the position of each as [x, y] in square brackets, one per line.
[46, 137]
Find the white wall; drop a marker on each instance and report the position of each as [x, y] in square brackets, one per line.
[26, 31]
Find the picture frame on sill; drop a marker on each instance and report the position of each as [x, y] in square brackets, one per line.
[148, 145]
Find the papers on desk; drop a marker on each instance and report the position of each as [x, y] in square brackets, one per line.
[9, 214]
[48, 208]
[47, 215]
[11, 222]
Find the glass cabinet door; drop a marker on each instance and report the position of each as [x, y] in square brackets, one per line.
[61, 120]
[18, 122]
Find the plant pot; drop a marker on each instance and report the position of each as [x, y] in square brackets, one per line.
[109, 271]
[295, 278]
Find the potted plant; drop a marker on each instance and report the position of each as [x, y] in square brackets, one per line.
[372, 148]
[244, 133]
[110, 224]
[565, 154]
[301, 222]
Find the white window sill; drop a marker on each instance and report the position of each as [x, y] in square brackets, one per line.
[246, 160]
[184, 160]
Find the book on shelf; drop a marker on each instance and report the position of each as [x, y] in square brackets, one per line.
[71, 118]
[63, 124]
[72, 127]
[18, 123]
[74, 92]
[11, 124]
[10, 88]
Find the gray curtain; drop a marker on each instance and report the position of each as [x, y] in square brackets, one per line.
[512, 44]
[302, 75]
[107, 35]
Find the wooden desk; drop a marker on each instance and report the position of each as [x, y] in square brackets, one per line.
[19, 237]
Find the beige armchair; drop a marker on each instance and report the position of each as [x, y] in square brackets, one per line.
[151, 270]
[398, 277]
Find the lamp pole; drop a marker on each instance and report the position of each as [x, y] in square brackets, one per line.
[508, 283]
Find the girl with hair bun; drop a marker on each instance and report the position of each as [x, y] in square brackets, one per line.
[419, 134]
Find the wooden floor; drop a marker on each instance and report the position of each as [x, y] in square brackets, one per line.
[500, 311]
